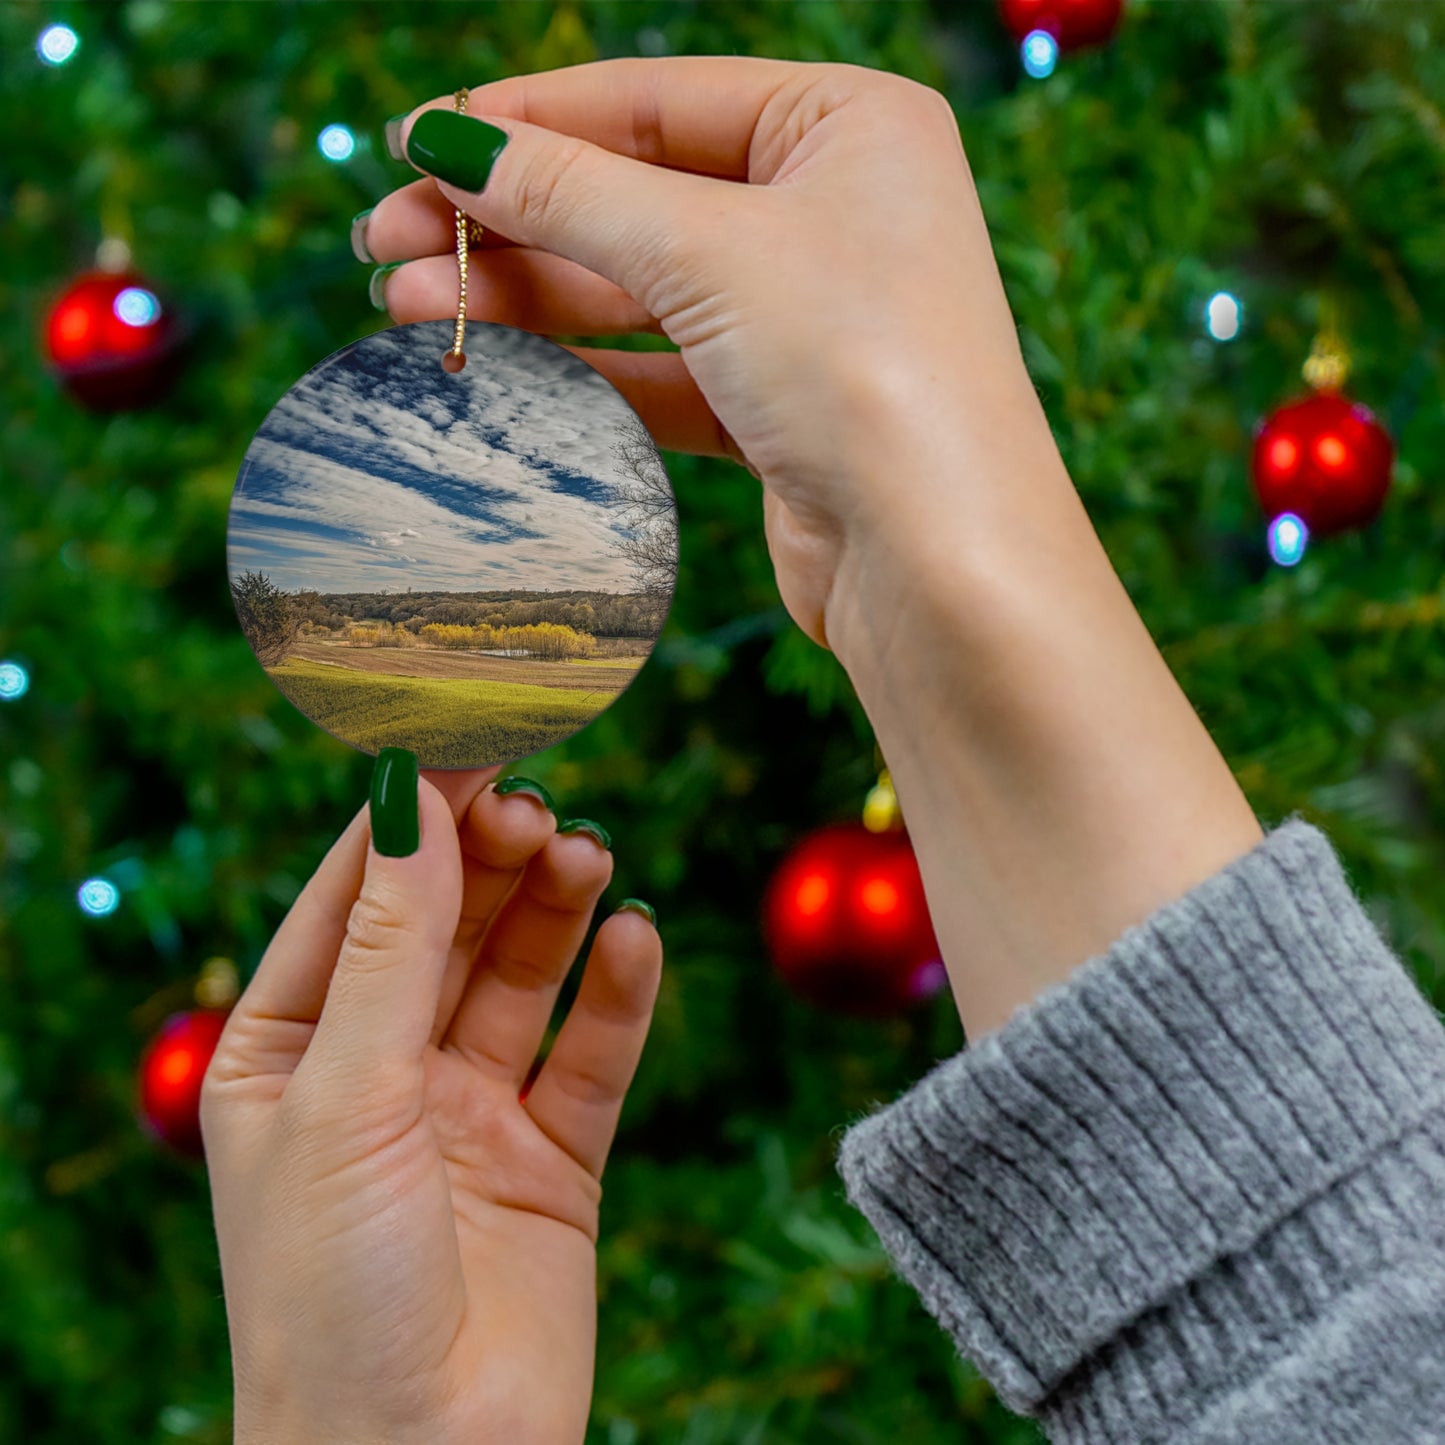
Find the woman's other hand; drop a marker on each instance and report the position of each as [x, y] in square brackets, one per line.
[407, 1244]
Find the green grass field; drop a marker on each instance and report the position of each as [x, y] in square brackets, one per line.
[446, 722]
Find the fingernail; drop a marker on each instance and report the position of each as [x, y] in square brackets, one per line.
[393, 136]
[455, 148]
[359, 247]
[636, 905]
[586, 825]
[376, 287]
[395, 824]
[526, 785]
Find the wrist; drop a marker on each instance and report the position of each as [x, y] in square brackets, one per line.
[1057, 784]
[953, 518]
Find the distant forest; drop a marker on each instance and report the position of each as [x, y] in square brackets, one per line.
[604, 614]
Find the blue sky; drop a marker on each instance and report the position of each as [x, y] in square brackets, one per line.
[378, 470]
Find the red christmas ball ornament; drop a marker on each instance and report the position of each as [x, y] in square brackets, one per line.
[112, 341]
[1324, 458]
[847, 924]
[1073, 23]
[171, 1072]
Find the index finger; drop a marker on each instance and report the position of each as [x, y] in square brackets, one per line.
[686, 112]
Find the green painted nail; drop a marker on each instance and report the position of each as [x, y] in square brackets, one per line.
[636, 905]
[358, 236]
[526, 785]
[376, 288]
[393, 136]
[455, 148]
[586, 825]
[395, 825]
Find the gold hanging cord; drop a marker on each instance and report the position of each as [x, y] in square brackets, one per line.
[469, 233]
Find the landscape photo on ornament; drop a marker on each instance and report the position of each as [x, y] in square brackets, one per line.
[468, 565]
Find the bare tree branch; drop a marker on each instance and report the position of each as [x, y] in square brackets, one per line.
[647, 510]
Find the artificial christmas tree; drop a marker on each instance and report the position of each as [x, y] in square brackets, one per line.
[1270, 150]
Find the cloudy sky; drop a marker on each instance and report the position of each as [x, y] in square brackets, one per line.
[378, 470]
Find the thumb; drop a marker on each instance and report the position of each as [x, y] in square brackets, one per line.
[628, 221]
[382, 1000]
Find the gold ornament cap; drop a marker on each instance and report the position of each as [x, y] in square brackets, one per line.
[1328, 366]
[881, 813]
[219, 985]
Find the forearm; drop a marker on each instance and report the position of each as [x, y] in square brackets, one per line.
[1057, 784]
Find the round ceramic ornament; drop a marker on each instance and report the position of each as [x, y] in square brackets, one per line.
[465, 554]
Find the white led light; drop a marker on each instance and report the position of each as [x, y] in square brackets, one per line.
[14, 681]
[57, 44]
[98, 897]
[1223, 316]
[336, 143]
[1288, 537]
[1040, 54]
[137, 307]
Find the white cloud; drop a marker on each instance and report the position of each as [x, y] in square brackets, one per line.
[356, 484]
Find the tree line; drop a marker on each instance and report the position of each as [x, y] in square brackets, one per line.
[548, 625]
[605, 614]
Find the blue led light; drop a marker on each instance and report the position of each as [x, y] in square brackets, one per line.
[98, 897]
[14, 681]
[1288, 537]
[57, 44]
[1223, 316]
[1040, 53]
[336, 143]
[137, 307]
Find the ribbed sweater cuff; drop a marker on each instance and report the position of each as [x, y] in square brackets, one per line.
[1147, 1155]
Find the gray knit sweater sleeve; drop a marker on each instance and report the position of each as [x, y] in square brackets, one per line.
[1196, 1192]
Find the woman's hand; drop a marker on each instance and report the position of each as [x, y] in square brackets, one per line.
[408, 1246]
[810, 237]
[845, 298]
